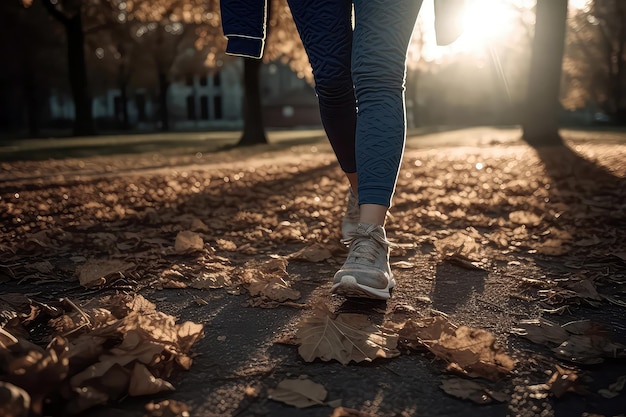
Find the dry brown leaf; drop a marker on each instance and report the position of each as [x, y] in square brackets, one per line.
[584, 289]
[275, 289]
[343, 337]
[14, 401]
[592, 241]
[188, 241]
[582, 341]
[525, 218]
[541, 331]
[300, 393]
[473, 352]
[458, 243]
[553, 247]
[85, 398]
[227, 245]
[470, 390]
[142, 382]
[37, 371]
[562, 381]
[96, 271]
[211, 280]
[314, 253]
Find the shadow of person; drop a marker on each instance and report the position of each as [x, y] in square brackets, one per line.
[373, 309]
[453, 286]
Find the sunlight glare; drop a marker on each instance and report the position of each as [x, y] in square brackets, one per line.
[486, 21]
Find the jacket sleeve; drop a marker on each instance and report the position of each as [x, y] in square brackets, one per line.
[244, 22]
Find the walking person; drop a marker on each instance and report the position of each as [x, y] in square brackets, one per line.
[359, 72]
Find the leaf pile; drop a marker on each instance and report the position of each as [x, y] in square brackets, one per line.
[109, 348]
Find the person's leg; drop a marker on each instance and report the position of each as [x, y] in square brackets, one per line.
[381, 37]
[382, 32]
[325, 27]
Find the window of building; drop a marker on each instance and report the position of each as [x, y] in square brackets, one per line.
[191, 107]
[140, 103]
[204, 108]
[217, 79]
[189, 79]
[217, 107]
[118, 108]
[204, 80]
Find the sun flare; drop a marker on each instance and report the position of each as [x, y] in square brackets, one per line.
[485, 23]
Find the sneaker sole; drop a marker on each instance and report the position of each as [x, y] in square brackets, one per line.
[349, 287]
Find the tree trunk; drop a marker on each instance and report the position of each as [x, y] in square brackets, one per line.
[83, 121]
[540, 124]
[164, 114]
[123, 86]
[30, 94]
[253, 127]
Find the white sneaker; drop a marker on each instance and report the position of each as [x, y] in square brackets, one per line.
[366, 272]
[350, 219]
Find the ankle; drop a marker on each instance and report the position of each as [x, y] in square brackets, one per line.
[373, 214]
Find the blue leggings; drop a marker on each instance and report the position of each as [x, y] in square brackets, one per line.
[361, 69]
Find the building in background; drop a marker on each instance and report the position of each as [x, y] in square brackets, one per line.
[205, 101]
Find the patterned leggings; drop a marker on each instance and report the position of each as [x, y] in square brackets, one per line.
[362, 68]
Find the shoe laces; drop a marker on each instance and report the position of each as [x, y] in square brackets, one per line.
[367, 245]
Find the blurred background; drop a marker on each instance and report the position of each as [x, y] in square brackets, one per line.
[85, 67]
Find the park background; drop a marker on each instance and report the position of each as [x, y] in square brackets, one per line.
[84, 67]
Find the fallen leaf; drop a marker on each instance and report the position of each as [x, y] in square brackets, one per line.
[470, 390]
[541, 331]
[458, 243]
[142, 382]
[553, 247]
[525, 218]
[343, 337]
[471, 351]
[582, 341]
[275, 289]
[588, 242]
[14, 401]
[563, 381]
[300, 393]
[584, 289]
[95, 272]
[211, 280]
[188, 241]
[313, 253]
